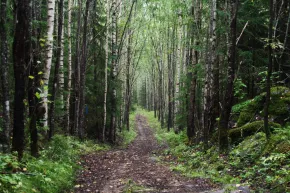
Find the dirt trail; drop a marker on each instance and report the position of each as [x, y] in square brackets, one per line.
[110, 172]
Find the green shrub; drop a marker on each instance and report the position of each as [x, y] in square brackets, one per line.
[53, 171]
[278, 108]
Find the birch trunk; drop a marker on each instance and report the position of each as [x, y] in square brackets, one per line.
[49, 51]
[56, 71]
[61, 72]
[106, 71]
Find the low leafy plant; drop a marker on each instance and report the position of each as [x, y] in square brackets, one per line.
[53, 171]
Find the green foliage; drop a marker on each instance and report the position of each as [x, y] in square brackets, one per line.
[52, 172]
[248, 110]
[238, 88]
[278, 109]
[267, 163]
[128, 136]
[255, 161]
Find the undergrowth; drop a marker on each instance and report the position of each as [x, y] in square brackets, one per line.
[53, 171]
[128, 136]
[262, 164]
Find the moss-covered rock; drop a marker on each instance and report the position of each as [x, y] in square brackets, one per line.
[249, 129]
[252, 108]
[279, 108]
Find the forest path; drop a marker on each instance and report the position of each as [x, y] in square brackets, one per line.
[117, 170]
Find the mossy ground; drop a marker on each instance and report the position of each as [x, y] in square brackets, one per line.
[279, 108]
[238, 134]
[262, 164]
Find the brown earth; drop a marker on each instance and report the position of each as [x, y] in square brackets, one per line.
[119, 169]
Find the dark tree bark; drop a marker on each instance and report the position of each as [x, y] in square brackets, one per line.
[77, 74]
[169, 59]
[229, 94]
[4, 136]
[35, 111]
[269, 74]
[83, 72]
[21, 57]
[112, 131]
[193, 60]
[128, 87]
[56, 71]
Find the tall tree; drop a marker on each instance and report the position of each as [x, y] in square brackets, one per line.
[69, 68]
[106, 70]
[193, 60]
[112, 131]
[49, 53]
[83, 72]
[178, 65]
[59, 58]
[21, 59]
[269, 72]
[77, 76]
[4, 69]
[229, 93]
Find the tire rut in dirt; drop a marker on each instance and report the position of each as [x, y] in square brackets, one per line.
[109, 172]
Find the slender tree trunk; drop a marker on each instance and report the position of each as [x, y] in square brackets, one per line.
[4, 69]
[69, 69]
[106, 71]
[169, 67]
[112, 131]
[178, 64]
[229, 94]
[61, 72]
[34, 109]
[21, 58]
[209, 116]
[49, 53]
[269, 74]
[77, 73]
[56, 71]
[193, 61]
[128, 87]
[83, 73]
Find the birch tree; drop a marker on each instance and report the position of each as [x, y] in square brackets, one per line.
[178, 66]
[49, 53]
[106, 70]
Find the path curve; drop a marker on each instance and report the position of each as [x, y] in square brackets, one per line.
[110, 172]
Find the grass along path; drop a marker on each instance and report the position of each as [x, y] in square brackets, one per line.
[134, 169]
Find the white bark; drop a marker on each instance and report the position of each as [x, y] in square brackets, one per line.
[61, 73]
[49, 46]
[106, 70]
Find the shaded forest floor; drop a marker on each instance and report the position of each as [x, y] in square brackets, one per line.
[134, 169]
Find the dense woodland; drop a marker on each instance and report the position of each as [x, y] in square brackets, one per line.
[215, 70]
